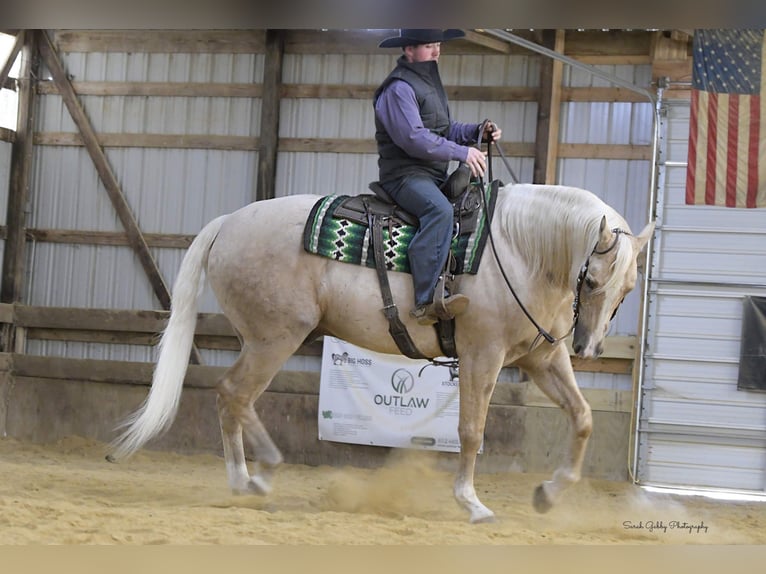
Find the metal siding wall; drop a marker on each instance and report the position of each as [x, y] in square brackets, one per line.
[623, 184]
[328, 173]
[696, 429]
[169, 190]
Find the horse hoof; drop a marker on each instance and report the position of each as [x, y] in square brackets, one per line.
[257, 485]
[540, 501]
[485, 519]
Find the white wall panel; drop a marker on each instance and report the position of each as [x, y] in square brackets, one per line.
[325, 173]
[696, 428]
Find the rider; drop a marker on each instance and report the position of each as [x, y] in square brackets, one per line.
[417, 139]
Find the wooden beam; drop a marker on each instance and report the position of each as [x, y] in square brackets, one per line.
[609, 43]
[616, 60]
[549, 110]
[554, 123]
[605, 151]
[21, 166]
[594, 46]
[7, 135]
[269, 136]
[143, 321]
[172, 141]
[7, 312]
[610, 94]
[213, 330]
[28, 368]
[14, 254]
[114, 238]
[342, 91]
[171, 89]
[336, 145]
[322, 145]
[327, 145]
[485, 41]
[163, 41]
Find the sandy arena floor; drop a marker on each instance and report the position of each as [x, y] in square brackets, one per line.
[66, 493]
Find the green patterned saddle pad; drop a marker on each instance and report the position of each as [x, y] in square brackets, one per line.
[350, 241]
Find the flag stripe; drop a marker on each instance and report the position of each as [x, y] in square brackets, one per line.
[732, 111]
[710, 147]
[752, 153]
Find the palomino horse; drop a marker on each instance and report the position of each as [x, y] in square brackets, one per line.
[550, 243]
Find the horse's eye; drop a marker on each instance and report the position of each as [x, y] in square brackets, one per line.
[590, 283]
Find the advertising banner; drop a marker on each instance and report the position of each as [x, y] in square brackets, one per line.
[386, 400]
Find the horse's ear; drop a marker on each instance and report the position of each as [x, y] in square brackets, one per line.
[641, 240]
[643, 237]
[604, 233]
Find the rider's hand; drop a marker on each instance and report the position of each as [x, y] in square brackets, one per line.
[491, 132]
[476, 161]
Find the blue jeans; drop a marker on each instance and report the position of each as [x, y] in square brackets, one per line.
[429, 249]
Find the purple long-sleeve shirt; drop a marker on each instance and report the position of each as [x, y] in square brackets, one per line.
[398, 111]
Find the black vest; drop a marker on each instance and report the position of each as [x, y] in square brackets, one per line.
[423, 77]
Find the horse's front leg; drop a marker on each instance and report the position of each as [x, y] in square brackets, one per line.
[477, 381]
[555, 377]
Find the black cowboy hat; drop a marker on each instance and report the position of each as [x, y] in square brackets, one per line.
[415, 36]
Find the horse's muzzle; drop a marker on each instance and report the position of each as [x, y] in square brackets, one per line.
[589, 351]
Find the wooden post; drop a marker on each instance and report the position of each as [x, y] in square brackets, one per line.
[269, 136]
[112, 186]
[14, 256]
[549, 110]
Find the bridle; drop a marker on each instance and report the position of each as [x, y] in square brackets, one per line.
[584, 273]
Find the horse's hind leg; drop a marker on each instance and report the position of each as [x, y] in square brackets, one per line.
[556, 379]
[238, 390]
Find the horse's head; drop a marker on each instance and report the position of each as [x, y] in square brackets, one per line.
[607, 276]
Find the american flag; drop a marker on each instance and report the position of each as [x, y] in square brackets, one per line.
[727, 137]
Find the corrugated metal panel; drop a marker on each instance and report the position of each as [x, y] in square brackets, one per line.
[677, 461]
[607, 122]
[159, 67]
[169, 190]
[695, 428]
[325, 173]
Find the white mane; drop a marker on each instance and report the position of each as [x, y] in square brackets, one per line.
[555, 228]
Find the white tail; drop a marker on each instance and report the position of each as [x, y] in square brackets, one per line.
[159, 409]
